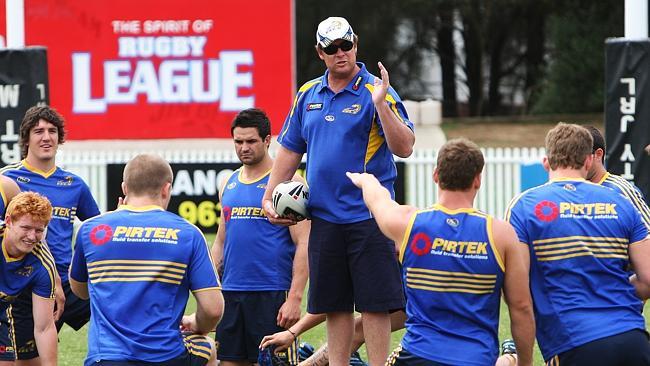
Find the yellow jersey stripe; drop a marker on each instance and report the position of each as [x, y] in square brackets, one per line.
[437, 289]
[308, 85]
[582, 238]
[135, 279]
[136, 261]
[581, 254]
[136, 268]
[443, 278]
[407, 235]
[135, 274]
[552, 246]
[576, 249]
[375, 140]
[450, 284]
[493, 245]
[462, 274]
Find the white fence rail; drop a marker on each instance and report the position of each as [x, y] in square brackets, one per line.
[501, 178]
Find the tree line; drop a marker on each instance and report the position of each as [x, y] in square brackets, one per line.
[495, 57]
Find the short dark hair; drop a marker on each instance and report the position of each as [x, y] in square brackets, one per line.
[32, 116]
[599, 140]
[459, 162]
[252, 117]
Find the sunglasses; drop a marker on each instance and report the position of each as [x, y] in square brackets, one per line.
[345, 46]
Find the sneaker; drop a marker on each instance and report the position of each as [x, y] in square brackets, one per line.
[355, 360]
[508, 347]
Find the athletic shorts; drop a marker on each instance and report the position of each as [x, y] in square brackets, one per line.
[76, 314]
[247, 317]
[402, 357]
[6, 337]
[352, 267]
[629, 348]
[197, 354]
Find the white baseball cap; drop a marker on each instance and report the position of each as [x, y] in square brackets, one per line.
[333, 28]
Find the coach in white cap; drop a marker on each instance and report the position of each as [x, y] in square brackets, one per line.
[346, 120]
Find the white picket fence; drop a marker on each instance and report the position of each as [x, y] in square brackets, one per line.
[501, 176]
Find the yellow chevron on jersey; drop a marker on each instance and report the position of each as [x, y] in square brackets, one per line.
[446, 281]
[136, 270]
[576, 246]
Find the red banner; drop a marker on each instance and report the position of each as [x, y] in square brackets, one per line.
[145, 69]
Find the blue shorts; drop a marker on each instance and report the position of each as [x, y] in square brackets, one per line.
[76, 314]
[352, 267]
[628, 348]
[197, 354]
[247, 317]
[6, 338]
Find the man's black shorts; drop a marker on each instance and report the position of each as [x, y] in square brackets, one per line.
[352, 267]
[629, 348]
[76, 314]
[247, 317]
[402, 357]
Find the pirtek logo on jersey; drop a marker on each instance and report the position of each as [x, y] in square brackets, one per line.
[102, 233]
[546, 211]
[421, 244]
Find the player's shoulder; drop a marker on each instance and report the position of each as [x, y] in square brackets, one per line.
[12, 170]
[530, 194]
[310, 84]
[620, 184]
[183, 224]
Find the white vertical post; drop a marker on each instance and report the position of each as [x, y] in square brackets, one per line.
[15, 23]
[636, 19]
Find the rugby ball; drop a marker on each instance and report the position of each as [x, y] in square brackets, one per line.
[290, 200]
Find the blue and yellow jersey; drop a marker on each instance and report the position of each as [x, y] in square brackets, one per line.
[453, 276]
[32, 272]
[140, 264]
[630, 191]
[258, 256]
[341, 132]
[70, 198]
[579, 234]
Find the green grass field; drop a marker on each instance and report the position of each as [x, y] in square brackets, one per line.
[73, 345]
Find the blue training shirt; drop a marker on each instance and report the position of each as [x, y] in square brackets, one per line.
[453, 276]
[341, 132]
[630, 191]
[578, 234]
[140, 264]
[32, 272]
[70, 198]
[258, 256]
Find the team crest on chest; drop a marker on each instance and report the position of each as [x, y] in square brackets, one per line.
[453, 222]
[25, 271]
[67, 181]
[353, 109]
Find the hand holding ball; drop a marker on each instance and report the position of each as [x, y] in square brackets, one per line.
[290, 200]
